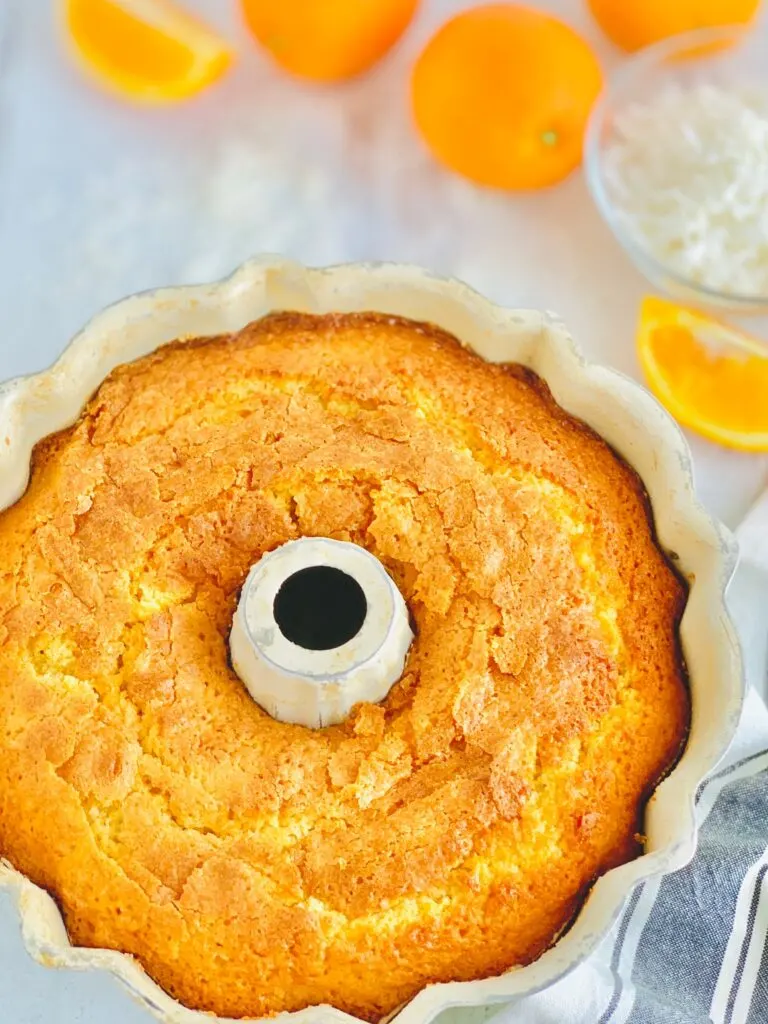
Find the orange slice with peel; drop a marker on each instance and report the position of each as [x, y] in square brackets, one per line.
[712, 378]
[150, 51]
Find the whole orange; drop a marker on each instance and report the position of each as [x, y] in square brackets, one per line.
[328, 40]
[502, 94]
[633, 24]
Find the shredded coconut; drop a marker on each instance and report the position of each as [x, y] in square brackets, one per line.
[688, 173]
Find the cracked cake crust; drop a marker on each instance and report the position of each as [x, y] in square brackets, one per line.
[449, 833]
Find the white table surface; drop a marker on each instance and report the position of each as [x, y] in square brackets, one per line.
[98, 199]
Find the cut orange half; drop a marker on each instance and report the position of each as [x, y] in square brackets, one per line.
[150, 51]
[711, 377]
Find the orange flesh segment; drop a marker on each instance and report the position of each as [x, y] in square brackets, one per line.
[148, 49]
[711, 377]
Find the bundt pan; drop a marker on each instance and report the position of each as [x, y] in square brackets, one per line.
[623, 413]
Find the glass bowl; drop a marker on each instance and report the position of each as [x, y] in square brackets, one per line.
[726, 58]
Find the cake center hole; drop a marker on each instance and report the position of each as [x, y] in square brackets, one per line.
[320, 607]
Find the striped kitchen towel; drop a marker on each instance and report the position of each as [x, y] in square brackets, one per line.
[692, 948]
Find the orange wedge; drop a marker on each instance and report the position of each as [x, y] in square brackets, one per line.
[711, 377]
[150, 51]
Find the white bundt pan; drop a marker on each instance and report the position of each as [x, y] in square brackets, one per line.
[617, 408]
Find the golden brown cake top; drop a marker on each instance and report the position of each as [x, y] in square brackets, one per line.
[449, 833]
